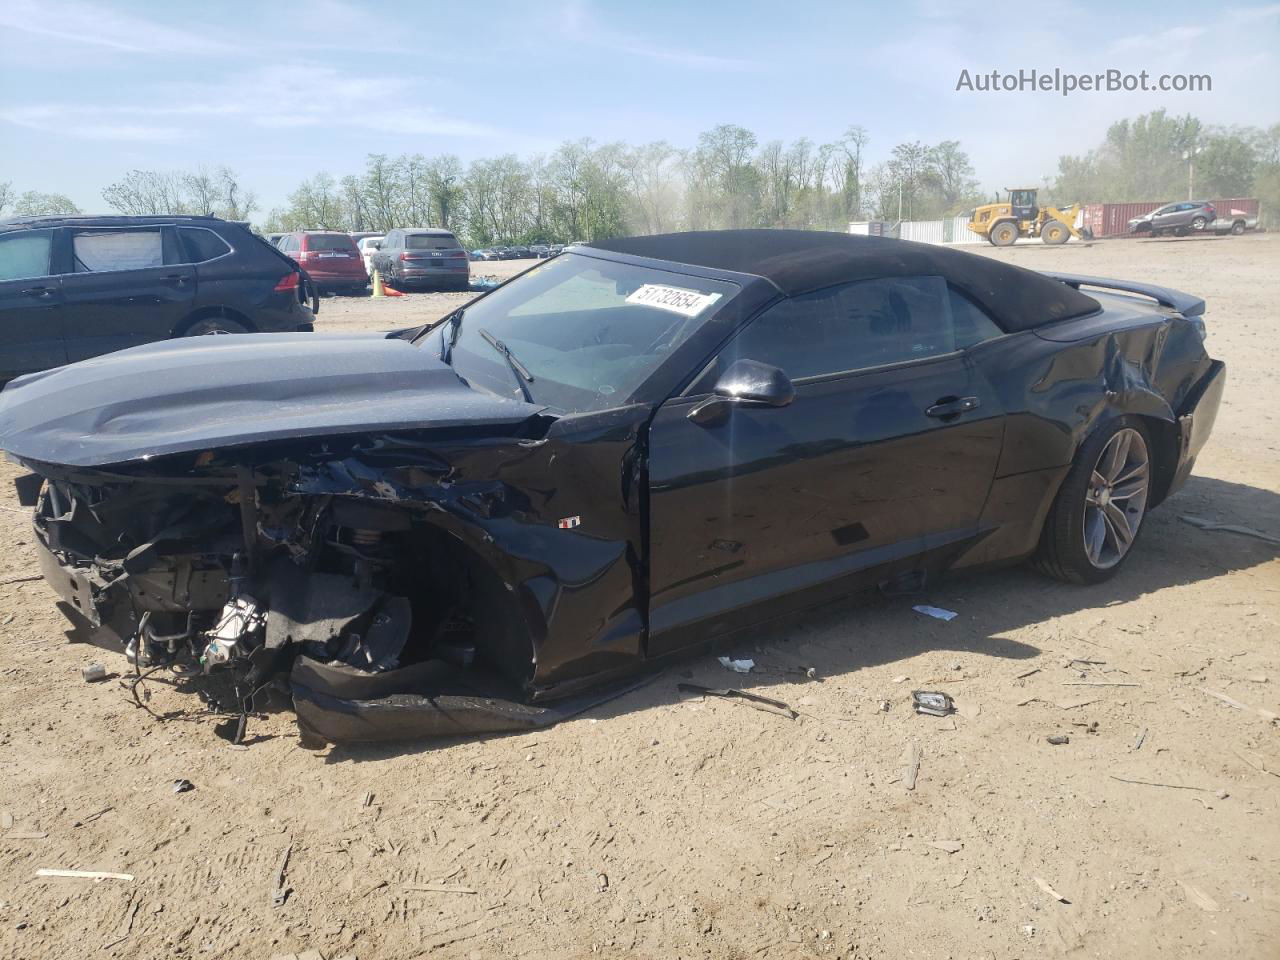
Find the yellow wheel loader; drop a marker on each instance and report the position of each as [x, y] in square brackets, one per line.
[1004, 223]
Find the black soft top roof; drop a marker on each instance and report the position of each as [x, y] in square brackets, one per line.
[799, 261]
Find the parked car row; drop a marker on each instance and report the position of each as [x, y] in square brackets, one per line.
[538, 251]
[78, 287]
[420, 257]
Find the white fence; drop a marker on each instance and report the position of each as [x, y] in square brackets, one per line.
[953, 230]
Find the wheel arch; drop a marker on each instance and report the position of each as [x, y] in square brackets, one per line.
[1161, 429]
[204, 313]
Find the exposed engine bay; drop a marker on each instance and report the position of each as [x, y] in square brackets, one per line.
[368, 614]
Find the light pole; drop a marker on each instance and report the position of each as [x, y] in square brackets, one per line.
[1190, 157]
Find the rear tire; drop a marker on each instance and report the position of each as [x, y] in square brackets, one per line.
[1097, 515]
[1054, 233]
[1004, 234]
[1199, 223]
[212, 326]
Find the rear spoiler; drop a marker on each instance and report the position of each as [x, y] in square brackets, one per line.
[1184, 303]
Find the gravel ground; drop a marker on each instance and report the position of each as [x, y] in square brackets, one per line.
[662, 828]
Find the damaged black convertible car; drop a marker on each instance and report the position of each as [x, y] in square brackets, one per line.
[633, 449]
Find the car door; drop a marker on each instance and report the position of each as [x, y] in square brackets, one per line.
[30, 303]
[1162, 219]
[127, 286]
[878, 471]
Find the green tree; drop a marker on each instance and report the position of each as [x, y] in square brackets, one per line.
[33, 203]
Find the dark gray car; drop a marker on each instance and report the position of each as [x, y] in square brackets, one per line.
[1177, 218]
[422, 257]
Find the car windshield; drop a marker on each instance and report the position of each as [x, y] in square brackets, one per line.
[589, 331]
[430, 241]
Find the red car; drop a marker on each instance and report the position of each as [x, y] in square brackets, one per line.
[330, 259]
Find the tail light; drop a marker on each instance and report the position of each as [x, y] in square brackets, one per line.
[288, 282]
[1212, 211]
[405, 256]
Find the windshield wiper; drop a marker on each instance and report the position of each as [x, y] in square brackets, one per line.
[522, 373]
[455, 326]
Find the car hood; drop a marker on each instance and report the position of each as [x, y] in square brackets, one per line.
[202, 393]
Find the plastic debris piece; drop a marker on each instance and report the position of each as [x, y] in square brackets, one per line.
[750, 699]
[1200, 898]
[1058, 739]
[737, 666]
[183, 786]
[936, 612]
[911, 765]
[946, 846]
[1050, 891]
[438, 888]
[1204, 524]
[935, 703]
[84, 874]
[93, 673]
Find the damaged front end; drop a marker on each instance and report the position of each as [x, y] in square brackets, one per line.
[342, 583]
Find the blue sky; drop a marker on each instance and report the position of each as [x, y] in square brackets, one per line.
[278, 91]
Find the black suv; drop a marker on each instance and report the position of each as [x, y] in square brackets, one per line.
[76, 287]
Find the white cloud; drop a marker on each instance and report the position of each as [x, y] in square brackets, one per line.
[303, 96]
[580, 26]
[94, 24]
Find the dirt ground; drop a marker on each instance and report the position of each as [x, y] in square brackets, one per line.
[663, 828]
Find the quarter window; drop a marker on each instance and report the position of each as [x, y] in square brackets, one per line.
[202, 245]
[864, 324]
[24, 256]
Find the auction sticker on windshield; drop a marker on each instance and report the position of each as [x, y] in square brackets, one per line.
[687, 303]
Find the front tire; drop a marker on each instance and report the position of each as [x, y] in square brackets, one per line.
[1004, 234]
[1098, 512]
[1054, 233]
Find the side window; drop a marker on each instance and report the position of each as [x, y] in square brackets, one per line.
[201, 245]
[96, 251]
[25, 255]
[864, 324]
[971, 323]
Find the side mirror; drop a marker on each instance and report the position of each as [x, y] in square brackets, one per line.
[377, 244]
[746, 383]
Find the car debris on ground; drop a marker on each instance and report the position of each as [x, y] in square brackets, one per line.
[767, 704]
[938, 613]
[83, 874]
[934, 703]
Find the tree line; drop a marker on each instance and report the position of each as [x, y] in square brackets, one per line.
[1157, 156]
[586, 191]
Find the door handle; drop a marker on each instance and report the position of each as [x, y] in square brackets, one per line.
[43, 292]
[179, 278]
[952, 407]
